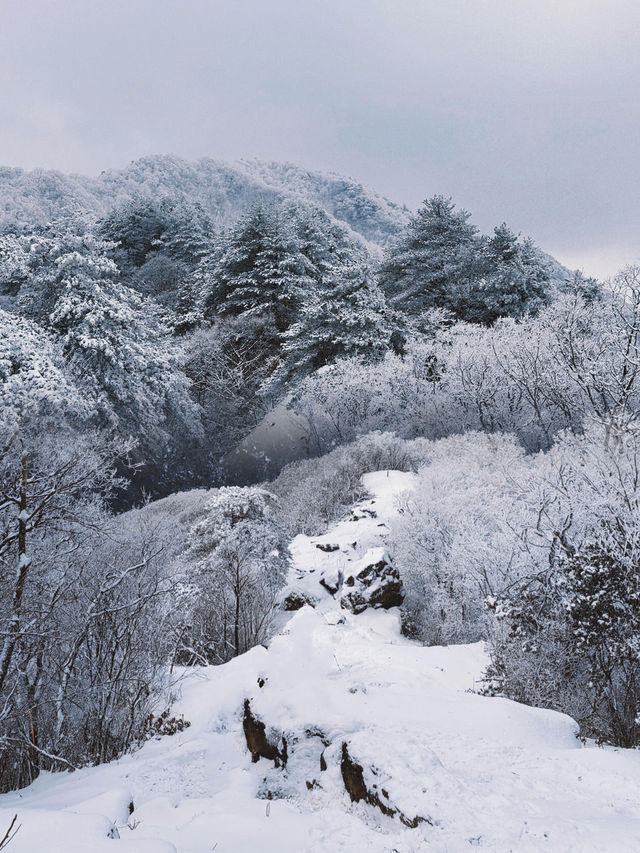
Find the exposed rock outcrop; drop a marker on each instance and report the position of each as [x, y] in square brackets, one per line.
[257, 742]
[327, 547]
[331, 580]
[354, 782]
[376, 584]
[295, 599]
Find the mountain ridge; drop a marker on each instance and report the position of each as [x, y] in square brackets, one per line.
[224, 189]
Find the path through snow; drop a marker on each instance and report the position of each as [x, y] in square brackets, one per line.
[472, 771]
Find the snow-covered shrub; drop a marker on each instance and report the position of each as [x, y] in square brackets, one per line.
[453, 541]
[568, 630]
[164, 725]
[78, 593]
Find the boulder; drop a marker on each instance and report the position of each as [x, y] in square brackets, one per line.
[331, 580]
[327, 547]
[353, 777]
[354, 601]
[258, 743]
[295, 599]
[376, 584]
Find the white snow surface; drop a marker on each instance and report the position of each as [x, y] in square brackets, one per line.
[480, 772]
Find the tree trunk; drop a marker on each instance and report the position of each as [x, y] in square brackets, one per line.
[13, 629]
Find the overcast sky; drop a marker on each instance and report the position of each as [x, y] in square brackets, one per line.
[523, 110]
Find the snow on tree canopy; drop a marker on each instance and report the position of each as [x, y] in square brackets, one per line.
[32, 380]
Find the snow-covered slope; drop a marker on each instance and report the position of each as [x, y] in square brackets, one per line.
[350, 709]
[225, 190]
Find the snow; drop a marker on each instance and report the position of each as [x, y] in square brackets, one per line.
[480, 772]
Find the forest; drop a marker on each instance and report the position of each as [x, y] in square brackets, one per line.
[154, 321]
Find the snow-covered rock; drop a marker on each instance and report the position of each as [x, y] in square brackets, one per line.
[373, 582]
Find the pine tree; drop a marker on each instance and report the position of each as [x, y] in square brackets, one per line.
[116, 343]
[188, 233]
[34, 382]
[515, 280]
[321, 240]
[433, 264]
[134, 229]
[260, 271]
[349, 316]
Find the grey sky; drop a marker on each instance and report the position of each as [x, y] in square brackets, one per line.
[522, 110]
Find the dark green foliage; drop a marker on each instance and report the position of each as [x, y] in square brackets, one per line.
[513, 280]
[433, 263]
[441, 261]
[158, 245]
[348, 317]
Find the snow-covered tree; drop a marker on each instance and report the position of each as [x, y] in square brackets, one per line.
[158, 244]
[238, 553]
[34, 385]
[260, 271]
[433, 264]
[226, 366]
[514, 280]
[348, 317]
[117, 345]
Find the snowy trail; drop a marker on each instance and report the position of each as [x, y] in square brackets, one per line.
[469, 771]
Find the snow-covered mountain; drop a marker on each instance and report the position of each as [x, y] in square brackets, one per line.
[361, 740]
[225, 190]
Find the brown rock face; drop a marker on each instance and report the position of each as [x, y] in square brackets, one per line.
[356, 787]
[353, 777]
[257, 741]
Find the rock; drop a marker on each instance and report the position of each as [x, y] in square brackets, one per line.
[356, 786]
[331, 580]
[377, 584]
[295, 599]
[387, 595]
[353, 777]
[363, 512]
[354, 601]
[326, 547]
[257, 742]
[372, 571]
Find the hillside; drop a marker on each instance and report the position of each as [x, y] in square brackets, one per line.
[375, 742]
[225, 190]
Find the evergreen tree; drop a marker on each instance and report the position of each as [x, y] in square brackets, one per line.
[321, 240]
[434, 262]
[348, 317]
[515, 280]
[157, 247]
[188, 233]
[34, 382]
[134, 229]
[587, 287]
[260, 271]
[116, 343]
